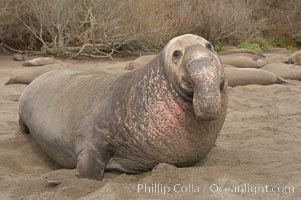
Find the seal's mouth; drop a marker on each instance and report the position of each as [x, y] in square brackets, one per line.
[186, 90]
[185, 94]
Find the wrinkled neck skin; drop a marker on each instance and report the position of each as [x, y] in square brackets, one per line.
[158, 125]
[151, 104]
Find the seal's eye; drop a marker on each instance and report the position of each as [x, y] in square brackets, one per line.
[176, 54]
[209, 46]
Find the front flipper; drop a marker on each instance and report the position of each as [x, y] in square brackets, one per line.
[91, 163]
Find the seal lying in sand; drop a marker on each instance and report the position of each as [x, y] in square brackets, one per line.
[139, 62]
[171, 110]
[247, 76]
[241, 61]
[295, 58]
[244, 52]
[286, 71]
[27, 77]
[240, 51]
[18, 57]
[41, 61]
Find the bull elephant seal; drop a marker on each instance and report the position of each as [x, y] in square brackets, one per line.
[170, 110]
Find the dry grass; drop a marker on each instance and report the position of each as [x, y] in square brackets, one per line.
[103, 28]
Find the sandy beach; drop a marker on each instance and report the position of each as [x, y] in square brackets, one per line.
[257, 155]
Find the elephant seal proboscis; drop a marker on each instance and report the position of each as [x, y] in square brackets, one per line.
[171, 110]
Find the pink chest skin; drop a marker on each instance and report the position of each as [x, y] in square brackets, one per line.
[161, 125]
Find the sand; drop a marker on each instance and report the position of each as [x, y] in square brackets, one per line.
[259, 145]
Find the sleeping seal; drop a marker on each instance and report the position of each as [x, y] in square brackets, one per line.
[41, 61]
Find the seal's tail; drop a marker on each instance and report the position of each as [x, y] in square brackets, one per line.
[23, 128]
[9, 82]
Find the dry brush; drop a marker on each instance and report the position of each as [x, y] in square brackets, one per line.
[103, 28]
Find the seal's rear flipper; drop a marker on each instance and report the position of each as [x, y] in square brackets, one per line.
[55, 182]
[281, 80]
[23, 128]
[60, 176]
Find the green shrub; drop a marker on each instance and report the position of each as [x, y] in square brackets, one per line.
[267, 42]
[250, 45]
[53, 50]
[217, 46]
[273, 42]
